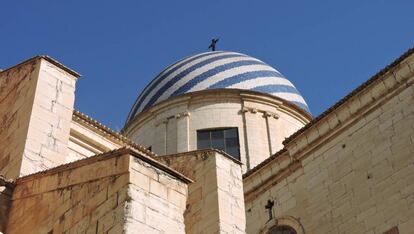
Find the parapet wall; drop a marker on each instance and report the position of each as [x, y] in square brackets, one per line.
[263, 122]
[36, 105]
[215, 199]
[17, 90]
[350, 172]
[116, 192]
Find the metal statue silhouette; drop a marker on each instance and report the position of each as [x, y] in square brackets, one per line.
[269, 207]
[213, 44]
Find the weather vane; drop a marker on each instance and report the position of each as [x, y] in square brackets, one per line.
[213, 44]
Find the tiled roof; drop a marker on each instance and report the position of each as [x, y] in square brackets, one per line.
[216, 70]
[111, 133]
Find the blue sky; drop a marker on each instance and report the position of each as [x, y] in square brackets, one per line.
[326, 48]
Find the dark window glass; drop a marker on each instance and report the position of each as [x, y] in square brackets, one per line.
[232, 142]
[282, 230]
[233, 151]
[231, 133]
[217, 140]
[226, 140]
[203, 140]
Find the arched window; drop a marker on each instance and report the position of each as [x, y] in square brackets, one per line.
[282, 229]
[283, 225]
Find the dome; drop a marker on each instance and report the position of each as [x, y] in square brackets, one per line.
[216, 70]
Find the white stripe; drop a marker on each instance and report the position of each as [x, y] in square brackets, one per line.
[175, 73]
[169, 68]
[229, 73]
[197, 72]
[293, 97]
[172, 66]
[250, 84]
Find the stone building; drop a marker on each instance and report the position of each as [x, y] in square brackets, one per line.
[218, 142]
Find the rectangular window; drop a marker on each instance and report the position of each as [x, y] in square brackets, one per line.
[225, 139]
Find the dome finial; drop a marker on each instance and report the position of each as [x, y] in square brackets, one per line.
[213, 44]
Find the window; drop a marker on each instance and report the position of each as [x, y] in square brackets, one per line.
[226, 139]
[283, 225]
[393, 230]
[283, 229]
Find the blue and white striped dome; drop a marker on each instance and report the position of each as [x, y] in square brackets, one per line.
[216, 70]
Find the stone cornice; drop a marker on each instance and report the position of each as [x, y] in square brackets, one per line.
[114, 153]
[377, 78]
[176, 116]
[214, 94]
[49, 59]
[365, 100]
[265, 113]
[106, 132]
[359, 103]
[200, 153]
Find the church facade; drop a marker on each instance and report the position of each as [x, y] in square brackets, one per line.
[218, 142]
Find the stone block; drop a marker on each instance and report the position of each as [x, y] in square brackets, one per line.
[117, 182]
[158, 189]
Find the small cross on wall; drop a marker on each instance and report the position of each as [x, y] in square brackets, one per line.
[269, 207]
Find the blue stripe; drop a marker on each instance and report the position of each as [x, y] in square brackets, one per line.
[160, 77]
[174, 67]
[181, 75]
[276, 89]
[243, 77]
[282, 89]
[301, 105]
[208, 74]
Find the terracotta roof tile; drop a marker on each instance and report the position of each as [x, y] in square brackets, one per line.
[109, 132]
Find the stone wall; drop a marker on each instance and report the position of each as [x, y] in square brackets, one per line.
[100, 194]
[6, 190]
[263, 122]
[215, 199]
[48, 134]
[355, 171]
[17, 90]
[157, 201]
[36, 106]
[87, 139]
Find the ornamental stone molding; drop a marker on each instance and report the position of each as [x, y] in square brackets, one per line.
[266, 114]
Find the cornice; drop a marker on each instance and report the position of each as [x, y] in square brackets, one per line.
[49, 59]
[213, 94]
[107, 132]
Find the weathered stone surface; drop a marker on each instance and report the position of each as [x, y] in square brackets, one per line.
[215, 201]
[356, 178]
[36, 105]
[100, 194]
[262, 123]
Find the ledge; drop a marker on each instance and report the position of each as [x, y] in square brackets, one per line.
[316, 122]
[99, 157]
[359, 89]
[195, 152]
[49, 59]
[101, 128]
